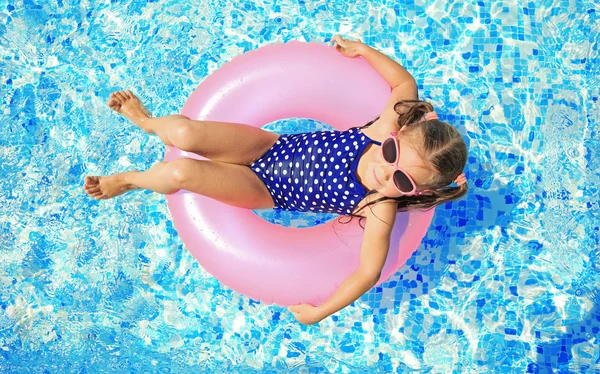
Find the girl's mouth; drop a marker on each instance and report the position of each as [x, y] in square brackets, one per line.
[376, 179]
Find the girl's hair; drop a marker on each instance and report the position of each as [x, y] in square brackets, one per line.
[440, 146]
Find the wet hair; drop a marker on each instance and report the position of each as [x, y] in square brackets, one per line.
[442, 149]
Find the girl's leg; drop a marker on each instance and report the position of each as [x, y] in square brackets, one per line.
[126, 103]
[231, 184]
[219, 141]
[153, 179]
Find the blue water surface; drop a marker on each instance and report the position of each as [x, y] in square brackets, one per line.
[505, 281]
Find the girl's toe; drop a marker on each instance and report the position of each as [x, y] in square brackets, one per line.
[91, 181]
[114, 104]
[121, 96]
[115, 97]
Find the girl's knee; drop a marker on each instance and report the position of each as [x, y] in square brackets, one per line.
[183, 132]
[181, 170]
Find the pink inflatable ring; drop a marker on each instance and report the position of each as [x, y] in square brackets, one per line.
[268, 262]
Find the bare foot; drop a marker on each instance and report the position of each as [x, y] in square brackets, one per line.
[130, 106]
[103, 188]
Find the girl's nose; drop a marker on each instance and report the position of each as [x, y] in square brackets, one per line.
[387, 171]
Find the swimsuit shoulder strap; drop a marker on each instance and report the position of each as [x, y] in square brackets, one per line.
[369, 139]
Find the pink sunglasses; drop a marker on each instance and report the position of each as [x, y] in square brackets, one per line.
[390, 150]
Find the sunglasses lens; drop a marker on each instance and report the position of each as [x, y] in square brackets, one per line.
[389, 150]
[402, 182]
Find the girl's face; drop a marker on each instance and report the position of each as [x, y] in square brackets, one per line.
[379, 172]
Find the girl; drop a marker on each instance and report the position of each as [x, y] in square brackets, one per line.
[403, 160]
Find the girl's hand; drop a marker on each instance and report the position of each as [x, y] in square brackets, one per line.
[306, 313]
[347, 47]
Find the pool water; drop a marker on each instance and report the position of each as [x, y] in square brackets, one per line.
[506, 279]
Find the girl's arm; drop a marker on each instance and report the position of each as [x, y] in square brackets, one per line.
[351, 289]
[389, 69]
[374, 251]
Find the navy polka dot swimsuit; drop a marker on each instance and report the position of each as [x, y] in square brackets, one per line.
[315, 172]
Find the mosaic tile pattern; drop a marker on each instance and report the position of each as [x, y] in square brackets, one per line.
[506, 279]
